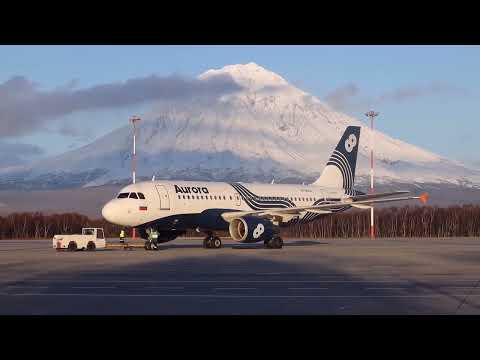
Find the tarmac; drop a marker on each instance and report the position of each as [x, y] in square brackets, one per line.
[306, 277]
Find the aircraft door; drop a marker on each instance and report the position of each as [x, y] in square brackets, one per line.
[164, 199]
[237, 199]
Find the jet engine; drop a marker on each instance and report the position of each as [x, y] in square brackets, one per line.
[251, 229]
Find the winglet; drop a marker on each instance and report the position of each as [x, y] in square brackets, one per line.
[423, 198]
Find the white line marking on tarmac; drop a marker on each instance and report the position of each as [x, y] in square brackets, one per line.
[295, 288]
[166, 287]
[235, 289]
[28, 286]
[94, 287]
[458, 287]
[385, 288]
[229, 281]
[240, 296]
[270, 273]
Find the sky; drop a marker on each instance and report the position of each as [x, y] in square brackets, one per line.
[56, 98]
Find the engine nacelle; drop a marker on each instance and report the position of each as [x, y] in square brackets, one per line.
[251, 229]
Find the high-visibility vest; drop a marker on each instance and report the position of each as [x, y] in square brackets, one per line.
[122, 233]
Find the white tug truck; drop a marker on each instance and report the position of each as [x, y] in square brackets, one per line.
[90, 240]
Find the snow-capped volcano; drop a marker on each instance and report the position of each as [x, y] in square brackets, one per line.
[268, 130]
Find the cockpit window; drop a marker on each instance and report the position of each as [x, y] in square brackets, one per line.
[141, 196]
[133, 196]
[122, 196]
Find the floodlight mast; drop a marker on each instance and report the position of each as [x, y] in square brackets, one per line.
[371, 114]
[134, 120]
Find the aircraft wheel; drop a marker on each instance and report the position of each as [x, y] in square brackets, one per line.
[274, 243]
[208, 242]
[216, 242]
[277, 242]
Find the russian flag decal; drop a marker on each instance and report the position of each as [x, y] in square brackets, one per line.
[142, 208]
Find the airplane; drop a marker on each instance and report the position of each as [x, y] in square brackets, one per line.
[250, 212]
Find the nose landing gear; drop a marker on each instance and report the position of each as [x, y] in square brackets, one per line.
[152, 242]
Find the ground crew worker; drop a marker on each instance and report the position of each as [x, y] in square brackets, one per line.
[122, 236]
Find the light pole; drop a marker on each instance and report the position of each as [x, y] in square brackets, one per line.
[134, 120]
[371, 114]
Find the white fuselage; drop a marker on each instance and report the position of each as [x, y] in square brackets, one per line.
[164, 199]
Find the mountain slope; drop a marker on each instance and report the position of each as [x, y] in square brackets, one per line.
[268, 130]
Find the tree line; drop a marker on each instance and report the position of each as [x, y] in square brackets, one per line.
[40, 226]
[407, 221]
[425, 221]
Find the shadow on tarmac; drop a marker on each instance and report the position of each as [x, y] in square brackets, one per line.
[211, 285]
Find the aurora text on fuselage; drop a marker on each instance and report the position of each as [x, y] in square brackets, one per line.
[191, 189]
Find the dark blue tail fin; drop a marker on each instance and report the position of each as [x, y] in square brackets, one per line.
[340, 169]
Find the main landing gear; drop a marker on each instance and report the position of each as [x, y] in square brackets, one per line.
[212, 242]
[275, 242]
[151, 245]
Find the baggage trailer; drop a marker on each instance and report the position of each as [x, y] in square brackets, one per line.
[90, 240]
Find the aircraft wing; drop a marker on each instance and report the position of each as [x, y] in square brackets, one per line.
[288, 213]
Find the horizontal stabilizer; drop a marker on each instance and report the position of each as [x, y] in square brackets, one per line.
[377, 195]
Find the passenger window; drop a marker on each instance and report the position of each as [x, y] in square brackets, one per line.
[215, 197]
[179, 197]
[224, 197]
[183, 196]
[133, 196]
[141, 196]
[198, 197]
[122, 196]
[211, 197]
[231, 198]
[188, 197]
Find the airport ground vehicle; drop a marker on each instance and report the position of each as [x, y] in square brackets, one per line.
[90, 239]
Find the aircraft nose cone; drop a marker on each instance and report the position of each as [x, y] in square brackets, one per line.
[108, 212]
